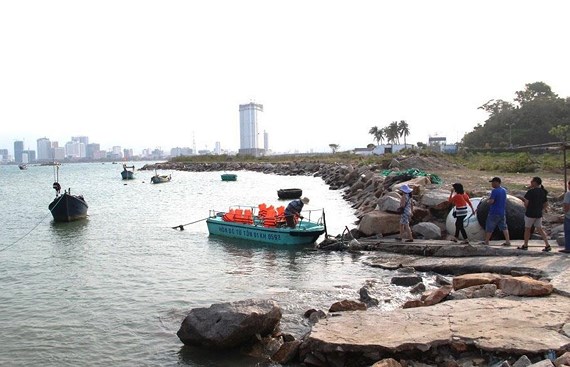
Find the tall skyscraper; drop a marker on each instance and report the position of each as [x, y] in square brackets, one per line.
[18, 150]
[44, 149]
[249, 129]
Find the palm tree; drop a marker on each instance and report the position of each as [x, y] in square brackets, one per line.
[394, 132]
[403, 129]
[374, 132]
[380, 135]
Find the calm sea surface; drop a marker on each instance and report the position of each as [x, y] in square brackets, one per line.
[113, 289]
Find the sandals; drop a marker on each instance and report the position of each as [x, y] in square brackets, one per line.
[524, 247]
[547, 249]
[506, 244]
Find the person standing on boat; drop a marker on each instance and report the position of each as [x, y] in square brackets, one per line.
[294, 210]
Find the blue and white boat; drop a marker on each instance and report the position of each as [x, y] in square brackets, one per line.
[262, 229]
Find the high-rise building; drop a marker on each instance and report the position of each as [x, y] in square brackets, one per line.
[73, 149]
[4, 155]
[249, 115]
[91, 150]
[28, 156]
[58, 153]
[44, 149]
[81, 139]
[18, 150]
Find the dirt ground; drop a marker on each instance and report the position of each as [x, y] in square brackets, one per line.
[477, 182]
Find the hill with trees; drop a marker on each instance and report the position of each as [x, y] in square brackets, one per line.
[536, 116]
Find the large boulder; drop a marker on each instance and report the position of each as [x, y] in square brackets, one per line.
[515, 217]
[231, 324]
[417, 184]
[470, 280]
[525, 286]
[436, 199]
[389, 202]
[427, 230]
[377, 222]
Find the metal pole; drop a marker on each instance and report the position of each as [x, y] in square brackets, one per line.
[565, 167]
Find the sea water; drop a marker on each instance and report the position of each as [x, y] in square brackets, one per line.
[113, 289]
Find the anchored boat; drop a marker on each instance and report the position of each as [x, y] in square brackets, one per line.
[156, 179]
[289, 193]
[229, 177]
[265, 224]
[128, 172]
[66, 207]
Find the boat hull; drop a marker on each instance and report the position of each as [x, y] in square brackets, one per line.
[303, 234]
[160, 179]
[67, 208]
[289, 193]
[127, 175]
[229, 177]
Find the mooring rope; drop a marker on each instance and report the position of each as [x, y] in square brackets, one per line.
[31, 230]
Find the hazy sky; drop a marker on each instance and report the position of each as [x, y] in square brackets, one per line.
[147, 74]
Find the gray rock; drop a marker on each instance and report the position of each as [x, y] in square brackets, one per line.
[436, 199]
[543, 363]
[523, 361]
[366, 298]
[388, 203]
[406, 280]
[560, 240]
[441, 280]
[427, 230]
[228, 325]
[418, 288]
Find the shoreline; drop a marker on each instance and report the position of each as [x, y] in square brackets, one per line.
[331, 342]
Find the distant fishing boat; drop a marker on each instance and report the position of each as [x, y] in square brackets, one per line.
[229, 177]
[265, 225]
[66, 207]
[23, 166]
[156, 179]
[128, 172]
[289, 193]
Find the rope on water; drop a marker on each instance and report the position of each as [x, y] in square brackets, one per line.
[31, 230]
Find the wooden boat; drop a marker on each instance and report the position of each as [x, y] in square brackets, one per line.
[250, 224]
[156, 179]
[128, 172]
[289, 193]
[23, 166]
[229, 177]
[67, 207]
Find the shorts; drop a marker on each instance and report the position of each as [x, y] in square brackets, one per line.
[405, 218]
[529, 222]
[494, 220]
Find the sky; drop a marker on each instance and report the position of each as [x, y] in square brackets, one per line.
[162, 74]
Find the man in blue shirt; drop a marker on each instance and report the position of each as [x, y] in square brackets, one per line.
[293, 210]
[497, 212]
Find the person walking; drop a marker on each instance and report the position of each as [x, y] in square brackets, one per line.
[566, 208]
[406, 209]
[460, 200]
[497, 212]
[293, 210]
[535, 202]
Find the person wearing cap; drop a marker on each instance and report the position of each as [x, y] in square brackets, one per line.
[406, 209]
[293, 210]
[535, 202]
[497, 212]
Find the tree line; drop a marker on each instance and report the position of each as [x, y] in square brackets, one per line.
[391, 133]
[535, 116]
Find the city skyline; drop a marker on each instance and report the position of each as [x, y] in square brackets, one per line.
[175, 74]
